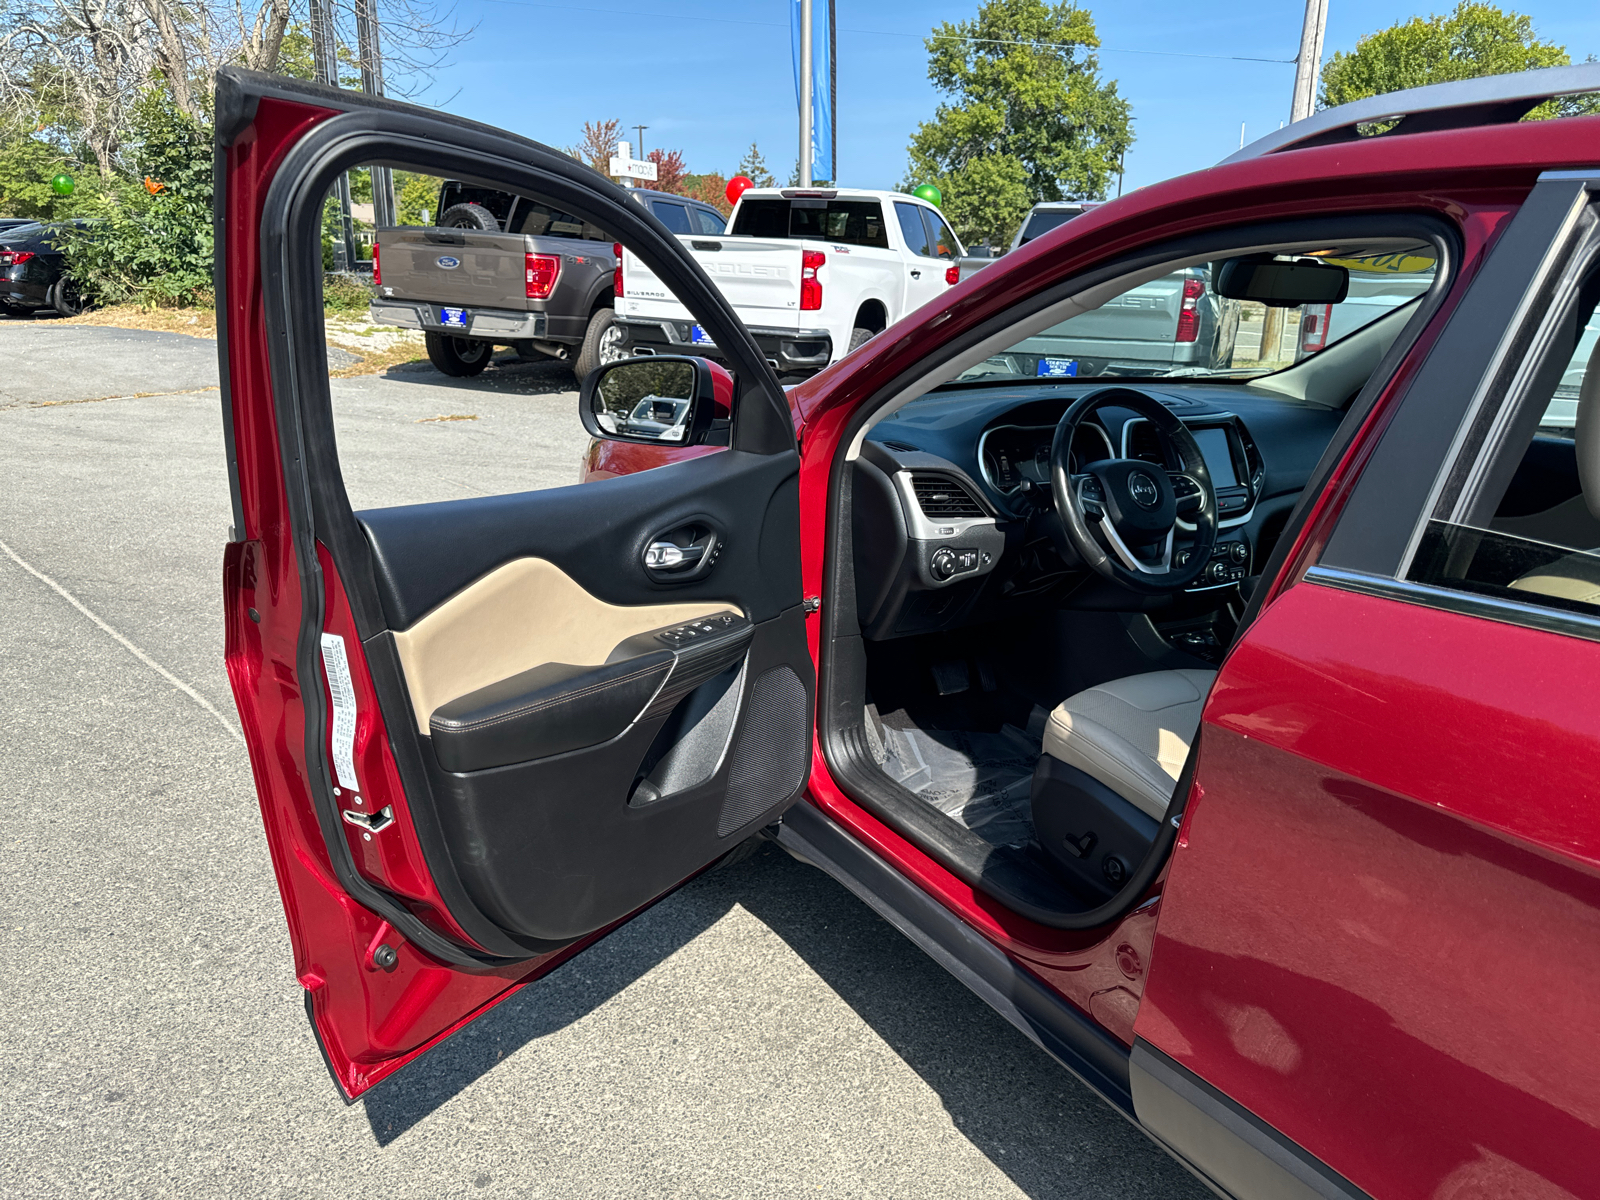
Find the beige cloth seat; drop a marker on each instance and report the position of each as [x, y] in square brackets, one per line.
[1132, 734]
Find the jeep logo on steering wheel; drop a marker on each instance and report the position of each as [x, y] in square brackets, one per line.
[1143, 489]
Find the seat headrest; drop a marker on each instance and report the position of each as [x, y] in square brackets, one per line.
[1586, 436]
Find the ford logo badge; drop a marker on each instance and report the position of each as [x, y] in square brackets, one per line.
[448, 263]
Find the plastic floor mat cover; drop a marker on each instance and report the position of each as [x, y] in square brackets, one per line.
[982, 780]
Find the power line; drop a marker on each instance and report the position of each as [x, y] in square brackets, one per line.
[625, 12]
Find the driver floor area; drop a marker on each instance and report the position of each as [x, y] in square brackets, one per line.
[979, 777]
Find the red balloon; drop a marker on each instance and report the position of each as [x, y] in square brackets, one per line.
[737, 186]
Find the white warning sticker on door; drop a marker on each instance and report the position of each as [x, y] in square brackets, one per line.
[337, 665]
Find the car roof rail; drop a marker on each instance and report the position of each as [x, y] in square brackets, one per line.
[1460, 104]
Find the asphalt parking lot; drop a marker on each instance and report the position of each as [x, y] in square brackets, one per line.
[759, 1033]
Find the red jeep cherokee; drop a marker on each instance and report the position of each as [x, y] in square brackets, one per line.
[1233, 732]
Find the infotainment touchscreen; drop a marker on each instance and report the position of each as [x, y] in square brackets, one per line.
[1219, 458]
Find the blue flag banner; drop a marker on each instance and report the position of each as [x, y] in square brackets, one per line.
[821, 83]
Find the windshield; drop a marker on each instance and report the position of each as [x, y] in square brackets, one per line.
[1178, 325]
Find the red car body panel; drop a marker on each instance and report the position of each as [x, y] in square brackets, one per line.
[1393, 956]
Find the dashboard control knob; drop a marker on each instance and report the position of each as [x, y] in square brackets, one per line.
[1238, 552]
[943, 563]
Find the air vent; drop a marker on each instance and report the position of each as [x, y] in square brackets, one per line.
[943, 499]
[903, 447]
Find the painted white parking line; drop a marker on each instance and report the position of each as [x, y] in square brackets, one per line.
[227, 724]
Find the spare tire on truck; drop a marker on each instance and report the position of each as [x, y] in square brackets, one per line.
[468, 216]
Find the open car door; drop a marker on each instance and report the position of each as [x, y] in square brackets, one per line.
[484, 731]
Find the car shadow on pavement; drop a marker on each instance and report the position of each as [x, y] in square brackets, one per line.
[1016, 1105]
[538, 377]
[564, 996]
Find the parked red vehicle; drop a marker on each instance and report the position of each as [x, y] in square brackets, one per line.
[1229, 732]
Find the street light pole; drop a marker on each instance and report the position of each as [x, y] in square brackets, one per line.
[1308, 63]
[641, 129]
[805, 93]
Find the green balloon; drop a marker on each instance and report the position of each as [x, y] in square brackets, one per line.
[929, 193]
[62, 184]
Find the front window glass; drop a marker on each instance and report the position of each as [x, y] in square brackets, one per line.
[1178, 325]
[912, 228]
[939, 236]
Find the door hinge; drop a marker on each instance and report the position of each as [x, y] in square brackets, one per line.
[811, 604]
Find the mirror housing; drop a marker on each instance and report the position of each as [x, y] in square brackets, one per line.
[658, 400]
[1276, 284]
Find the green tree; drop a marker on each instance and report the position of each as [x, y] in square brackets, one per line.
[754, 168]
[151, 241]
[1029, 119]
[1476, 39]
[415, 195]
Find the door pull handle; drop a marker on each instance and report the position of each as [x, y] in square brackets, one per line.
[916, 274]
[664, 556]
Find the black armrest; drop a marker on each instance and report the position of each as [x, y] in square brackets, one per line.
[548, 710]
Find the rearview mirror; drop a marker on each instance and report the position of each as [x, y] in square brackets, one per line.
[660, 400]
[1276, 284]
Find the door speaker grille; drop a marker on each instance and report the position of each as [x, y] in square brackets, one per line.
[772, 752]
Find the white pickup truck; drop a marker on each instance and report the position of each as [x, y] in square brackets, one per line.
[812, 272]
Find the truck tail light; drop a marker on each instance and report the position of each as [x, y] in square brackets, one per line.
[616, 276]
[542, 272]
[1189, 314]
[377, 269]
[810, 285]
[952, 273]
[1314, 320]
[14, 258]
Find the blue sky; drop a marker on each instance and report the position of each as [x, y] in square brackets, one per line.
[709, 77]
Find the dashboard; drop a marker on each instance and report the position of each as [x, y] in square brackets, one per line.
[947, 511]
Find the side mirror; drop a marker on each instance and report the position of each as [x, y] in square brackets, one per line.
[661, 400]
[1276, 284]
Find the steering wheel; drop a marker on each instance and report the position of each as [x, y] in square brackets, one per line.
[1134, 506]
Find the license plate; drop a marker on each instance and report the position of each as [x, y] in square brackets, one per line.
[456, 318]
[699, 336]
[1058, 368]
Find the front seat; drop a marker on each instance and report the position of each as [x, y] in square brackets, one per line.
[1112, 754]
[1577, 576]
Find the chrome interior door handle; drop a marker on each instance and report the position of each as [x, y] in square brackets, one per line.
[664, 556]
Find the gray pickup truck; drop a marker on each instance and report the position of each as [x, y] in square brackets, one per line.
[505, 270]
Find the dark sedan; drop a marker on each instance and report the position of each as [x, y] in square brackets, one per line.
[33, 271]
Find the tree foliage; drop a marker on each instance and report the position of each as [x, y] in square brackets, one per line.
[152, 243]
[1476, 39]
[1029, 116]
[754, 168]
[671, 171]
[598, 144]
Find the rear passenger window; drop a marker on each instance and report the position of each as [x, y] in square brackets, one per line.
[1520, 517]
[912, 228]
[674, 216]
[708, 221]
[537, 219]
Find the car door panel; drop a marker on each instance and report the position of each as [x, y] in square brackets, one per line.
[474, 750]
[1377, 935]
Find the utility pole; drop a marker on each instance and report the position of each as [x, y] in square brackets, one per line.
[383, 206]
[324, 50]
[805, 93]
[641, 129]
[1308, 63]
